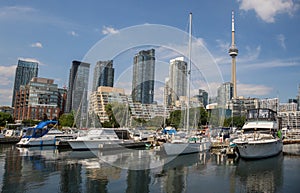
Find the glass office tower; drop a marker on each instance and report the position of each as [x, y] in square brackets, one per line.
[103, 74]
[25, 71]
[78, 87]
[143, 77]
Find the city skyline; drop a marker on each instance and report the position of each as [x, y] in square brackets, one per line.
[267, 38]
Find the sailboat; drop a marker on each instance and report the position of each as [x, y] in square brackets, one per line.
[185, 142]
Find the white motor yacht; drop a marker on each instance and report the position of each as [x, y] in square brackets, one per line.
[260, 136]
[100, 138]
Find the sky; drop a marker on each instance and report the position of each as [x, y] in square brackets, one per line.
[56, 32]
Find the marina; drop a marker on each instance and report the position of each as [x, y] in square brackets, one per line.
[149, 107]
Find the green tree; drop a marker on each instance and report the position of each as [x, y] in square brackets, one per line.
[121, 113]
[112, 123]
[203, 117]
[67, 120]
[239, 121]
[5, 118]
[235, 121]
[175, 119]
[29, 122]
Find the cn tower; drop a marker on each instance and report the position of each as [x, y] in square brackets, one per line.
[233, 52]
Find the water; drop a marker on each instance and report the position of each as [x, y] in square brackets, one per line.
[49, 170]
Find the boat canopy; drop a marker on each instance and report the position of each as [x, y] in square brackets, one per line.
[169, 130]
[42, 124]
[40, 130]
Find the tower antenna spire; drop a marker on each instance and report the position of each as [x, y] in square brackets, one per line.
[233, 52]
[232, 20]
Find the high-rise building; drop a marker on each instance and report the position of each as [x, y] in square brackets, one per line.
[143, 77]
[78, 87]
[233, 52]
[202, 97]
[177, 79]
[240, 105]
[224, 94]
[167, 93]
[40, 96]
[103, 74]
[103, 96]
[298, 98]
[26, 70]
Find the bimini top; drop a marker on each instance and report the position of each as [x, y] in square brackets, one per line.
[42, 124]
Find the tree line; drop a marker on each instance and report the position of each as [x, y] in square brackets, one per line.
[119, 115]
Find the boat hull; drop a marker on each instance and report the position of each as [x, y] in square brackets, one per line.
[186, 148]
[26, 142]
[103, 145]
[85, 145]
[47, 140]
[259, 149]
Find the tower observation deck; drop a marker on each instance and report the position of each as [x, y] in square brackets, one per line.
[233, 52]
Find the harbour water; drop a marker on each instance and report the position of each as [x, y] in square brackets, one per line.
[49, 170]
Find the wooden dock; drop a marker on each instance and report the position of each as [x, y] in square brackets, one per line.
[219, 145]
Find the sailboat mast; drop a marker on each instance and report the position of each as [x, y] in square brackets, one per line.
[189, 75]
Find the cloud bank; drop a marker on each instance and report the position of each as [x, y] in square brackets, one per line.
[268, 9]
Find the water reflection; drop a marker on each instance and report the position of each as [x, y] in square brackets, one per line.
[260, 175]
[50, 170]
[175, 173]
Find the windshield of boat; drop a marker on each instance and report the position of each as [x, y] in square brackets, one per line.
[255, 130]
[29, 132]
[261, 114]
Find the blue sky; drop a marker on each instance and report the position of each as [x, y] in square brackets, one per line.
[57, 32]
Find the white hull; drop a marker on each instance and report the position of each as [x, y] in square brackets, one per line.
[259, 149]
[47, 140]
[89, 144]
[186, 148]
[104, 144]
[36, 141]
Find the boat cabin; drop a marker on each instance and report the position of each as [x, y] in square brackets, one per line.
[261, 120]
[261, 114]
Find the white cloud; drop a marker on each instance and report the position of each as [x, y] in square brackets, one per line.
[273, 63]
[30, 60]
[268, 9]
[6, 83]
[109, 30]
[5, 96]
[199, 42]
[224, 46]
[7, 71]
[37, 45]
[253, 90]
[252, 54]
[15, 12]
[281, 40]
[73, 33]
